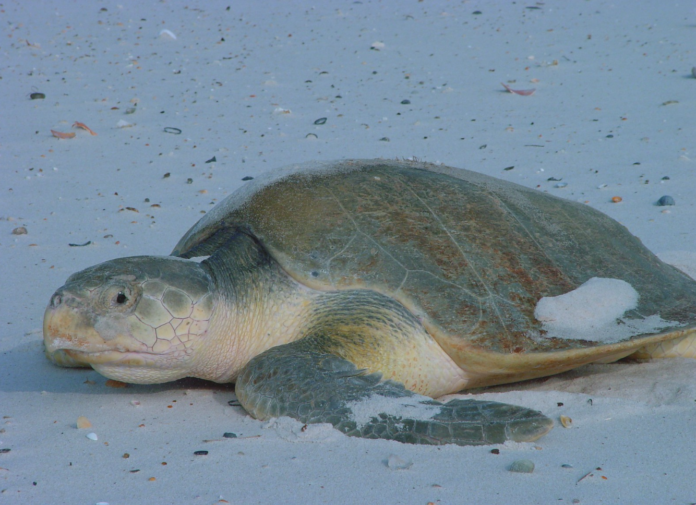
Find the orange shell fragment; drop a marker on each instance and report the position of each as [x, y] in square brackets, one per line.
[77, 124]
[62, 135]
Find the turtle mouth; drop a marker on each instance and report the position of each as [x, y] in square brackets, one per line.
[126, 358]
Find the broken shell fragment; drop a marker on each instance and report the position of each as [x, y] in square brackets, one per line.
[83, 422]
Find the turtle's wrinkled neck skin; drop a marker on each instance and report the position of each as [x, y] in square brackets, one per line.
[259, 307]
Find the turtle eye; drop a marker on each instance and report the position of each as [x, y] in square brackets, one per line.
[119, 297]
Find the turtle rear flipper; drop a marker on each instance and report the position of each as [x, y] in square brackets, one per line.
[293, 380]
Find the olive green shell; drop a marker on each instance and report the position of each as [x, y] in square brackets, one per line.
[468, 254]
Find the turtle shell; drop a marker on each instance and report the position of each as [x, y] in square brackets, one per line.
[468, 254]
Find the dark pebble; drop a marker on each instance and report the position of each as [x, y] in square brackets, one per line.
[234, 403]
[405, 102]
[495, 451]
[200, 453]
[560, 404]
[229, 435]
[477, 13]
[37, 96]
[665, 201]
[3, 451]
[384, 139]
[610, 136]
[81, 245]
[189, 181]
[321, 120]
[665, 178]
[247, 178]
[211, 160]
[566, 465]
[166, 175]
[509, 168]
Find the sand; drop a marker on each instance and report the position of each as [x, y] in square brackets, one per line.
[187, 99]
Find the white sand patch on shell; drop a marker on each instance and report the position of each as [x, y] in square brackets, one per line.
[594, 311]
[405, 407]
[683, 260]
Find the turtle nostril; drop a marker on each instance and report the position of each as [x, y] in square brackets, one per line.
[56, 301]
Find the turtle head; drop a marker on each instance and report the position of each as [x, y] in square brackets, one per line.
[138, 319]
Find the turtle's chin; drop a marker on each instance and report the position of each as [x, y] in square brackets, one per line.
[138, 374]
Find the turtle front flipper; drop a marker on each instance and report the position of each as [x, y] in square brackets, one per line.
[313, 387]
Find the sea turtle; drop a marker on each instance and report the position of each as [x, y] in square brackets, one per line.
[353, 292]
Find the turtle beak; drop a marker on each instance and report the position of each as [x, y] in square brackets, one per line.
[66, 328]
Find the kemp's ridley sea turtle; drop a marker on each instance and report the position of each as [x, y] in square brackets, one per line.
[352, 292]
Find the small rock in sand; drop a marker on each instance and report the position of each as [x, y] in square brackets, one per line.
[396, 463]
[522, 466]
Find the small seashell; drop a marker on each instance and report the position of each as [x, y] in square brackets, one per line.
[77, 124]
[167, 34]
[522, 466]
[135, 403]
[377, 46]
[19, 231]
[280, 110]
[83, 422]
[320, 121]
[566, 421]
[92, 436]
[665, 201]
[124, 124]
[62, 135]
[561, 185]
[521, 92]
[396, 463]
[616, 199]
